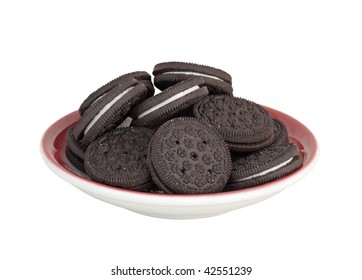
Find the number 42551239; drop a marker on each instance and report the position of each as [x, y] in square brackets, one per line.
[226, 270]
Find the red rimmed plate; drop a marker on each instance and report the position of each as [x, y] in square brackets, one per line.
[169, 205]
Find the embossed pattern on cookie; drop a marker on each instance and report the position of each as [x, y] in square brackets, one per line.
[119, 158]
[188, 157]
[244, 125]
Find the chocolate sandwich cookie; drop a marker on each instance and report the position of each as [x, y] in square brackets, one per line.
[74, 150]
[245, 125]
[155, 189]
[159, 108]
[263, 166]
[280, 132]
[109, 111]
[73, 145]
[141, 76]
[188, 157]
[119, 158]
[77, 162]
[170, 73]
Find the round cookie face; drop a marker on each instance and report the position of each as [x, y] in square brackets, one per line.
[263, 166]
[245, 125]
[188, 157]
[119, 158]
[170, 73]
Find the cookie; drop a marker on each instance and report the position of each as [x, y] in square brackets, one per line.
[77, 148]
[188, 157]
[170, 73]
[155, 189]
[245, 125]
[119, 158]
[141, 76]
[263, 166]
[77, 162]
[159, 108]
[280, 132]
[109, 111]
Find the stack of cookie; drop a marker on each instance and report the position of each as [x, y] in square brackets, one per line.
[193, 137]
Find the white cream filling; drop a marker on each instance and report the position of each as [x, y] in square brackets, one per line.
[264, 172]
[194, 73]
[105, 108]
[169, 100]
[126, 123]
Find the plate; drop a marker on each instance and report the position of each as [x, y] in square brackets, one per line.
[174, 206]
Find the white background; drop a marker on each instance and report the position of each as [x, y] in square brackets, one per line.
[302, 58]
